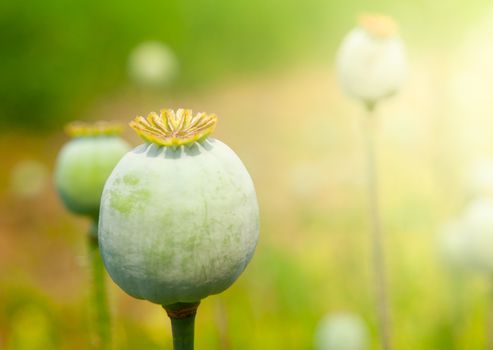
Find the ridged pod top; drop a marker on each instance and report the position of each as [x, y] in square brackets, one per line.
[99, 128]
[174, 129]
[378, 25]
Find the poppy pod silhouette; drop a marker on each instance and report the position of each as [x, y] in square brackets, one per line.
[371, 66]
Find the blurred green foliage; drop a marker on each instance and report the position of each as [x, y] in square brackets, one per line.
[59, 57]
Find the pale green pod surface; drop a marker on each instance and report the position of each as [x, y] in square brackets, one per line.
[82, 168]
[178, 223]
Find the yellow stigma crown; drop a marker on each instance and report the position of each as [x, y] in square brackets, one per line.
[378, 25]
[99, 128]
[174, 129]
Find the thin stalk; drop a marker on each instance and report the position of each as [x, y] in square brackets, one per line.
[378, 260]
[182, 316]
[222, 325]
[489, 319]
[458, 287]
[101, 337]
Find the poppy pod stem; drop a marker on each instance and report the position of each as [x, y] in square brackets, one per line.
[489, 319]
[100, 321]
[182, 316]
[378, 263]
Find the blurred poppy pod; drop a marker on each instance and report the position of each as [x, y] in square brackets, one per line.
[28, 178]
[479, 178]
[341, 331]
[454, 244]
[84, 164]
[478, 224]
[152, 64]
[371, 62]
[179, 216]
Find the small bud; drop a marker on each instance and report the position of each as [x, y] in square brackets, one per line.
[341, 331]
[84, 164]
[479, 180]
[478, 223]
[371, 62]
[152, 64]
[28, 178]
[454, 244]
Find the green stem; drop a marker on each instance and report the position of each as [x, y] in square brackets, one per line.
[489, 318]
[182, 316]
[100, 320]
[380, 281]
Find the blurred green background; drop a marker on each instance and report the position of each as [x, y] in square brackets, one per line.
[266, 68]
[59, 59]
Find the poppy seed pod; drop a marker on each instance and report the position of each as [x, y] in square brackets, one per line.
[371, 62]
[84, 164]
[152, 64]
[479, 178]
[478, 224]
[341, 331]
[28, 178]
[454, 244]
[179, 217]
